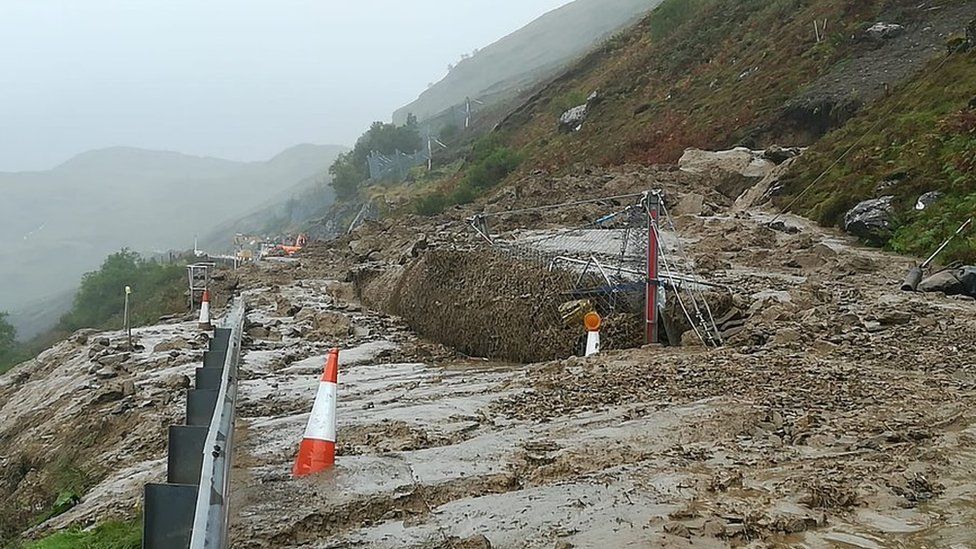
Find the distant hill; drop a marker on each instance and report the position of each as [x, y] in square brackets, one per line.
[525, 57]
[62, 222]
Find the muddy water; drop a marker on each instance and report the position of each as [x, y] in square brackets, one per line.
[770, 445]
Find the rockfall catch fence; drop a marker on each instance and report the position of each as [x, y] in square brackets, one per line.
[521, 294]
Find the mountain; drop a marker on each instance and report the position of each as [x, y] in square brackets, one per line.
[527, 56]
[62, 222]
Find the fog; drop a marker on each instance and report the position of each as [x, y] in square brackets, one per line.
[238, 79]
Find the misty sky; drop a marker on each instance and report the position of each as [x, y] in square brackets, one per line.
[240, 79]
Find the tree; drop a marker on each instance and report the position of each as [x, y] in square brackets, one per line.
[9, 349]
[99, 302]
[350, 170]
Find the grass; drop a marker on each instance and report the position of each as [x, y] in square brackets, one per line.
[488, 164]
[109, 535]
[921, 138]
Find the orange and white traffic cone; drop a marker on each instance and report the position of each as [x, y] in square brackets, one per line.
[592, 322]
[205, 312]
[317, 452]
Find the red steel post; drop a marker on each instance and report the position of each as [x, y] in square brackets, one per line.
[653, 211]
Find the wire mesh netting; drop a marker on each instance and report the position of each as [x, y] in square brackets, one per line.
[522, 294]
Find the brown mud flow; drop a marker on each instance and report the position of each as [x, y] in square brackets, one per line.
[841, 413]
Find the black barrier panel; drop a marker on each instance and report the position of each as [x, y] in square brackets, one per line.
[200, 404]
[185, 454]
[209, 378]
[214, 359]
[221, 340]
[168, 515]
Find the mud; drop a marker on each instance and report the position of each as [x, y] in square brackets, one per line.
[840, 414]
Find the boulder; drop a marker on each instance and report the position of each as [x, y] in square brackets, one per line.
[109, 394]
[81, 336]
[739, 161]
[777, 155]
[177, 344]
[884, 31]
[113, 360]
[871, 219]
[572, 120]
[107, 372]
[961, 281]
[927, 200]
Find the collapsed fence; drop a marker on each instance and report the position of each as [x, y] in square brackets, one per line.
[521, 294]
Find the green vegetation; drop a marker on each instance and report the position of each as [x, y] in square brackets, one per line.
[11, 353]
[157, 290]
[110, 535]
[350, 170]
[922, 138]
[671, 14]
[489, 163]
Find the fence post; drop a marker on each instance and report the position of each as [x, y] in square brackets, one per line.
[653, 212]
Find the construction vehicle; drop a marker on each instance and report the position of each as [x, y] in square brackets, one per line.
[283, 250]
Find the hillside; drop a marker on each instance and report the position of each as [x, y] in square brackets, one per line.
[64, 221]
[527, 56]
[715, 74]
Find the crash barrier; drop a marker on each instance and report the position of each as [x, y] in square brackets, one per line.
[317, 451]
[522, 294]
[190, 509]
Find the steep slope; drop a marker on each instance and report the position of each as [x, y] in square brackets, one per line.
[62, 222]
[528, 55]
[716, 73]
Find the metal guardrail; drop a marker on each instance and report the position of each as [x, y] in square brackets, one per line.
[190, 509]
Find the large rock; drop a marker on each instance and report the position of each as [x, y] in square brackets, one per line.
[572, 120]
[740, 161]
[871, 219]
[175, 344]
[961, 281]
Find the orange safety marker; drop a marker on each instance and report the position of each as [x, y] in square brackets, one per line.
[592, 321]
[205, 312]
[317, 451]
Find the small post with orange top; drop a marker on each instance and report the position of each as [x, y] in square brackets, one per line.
[592, 322]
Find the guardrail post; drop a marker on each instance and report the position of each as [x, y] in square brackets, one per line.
[178, 513]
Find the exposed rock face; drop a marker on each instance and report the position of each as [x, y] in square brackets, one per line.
[871, 219]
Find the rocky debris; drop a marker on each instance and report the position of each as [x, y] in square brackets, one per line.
[883, 31]
[927, 200]
[689, 204]
[572, 120]
[871, 219]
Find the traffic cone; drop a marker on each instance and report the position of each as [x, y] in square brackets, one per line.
[205, 312]
[592, 322]
[317, 452]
